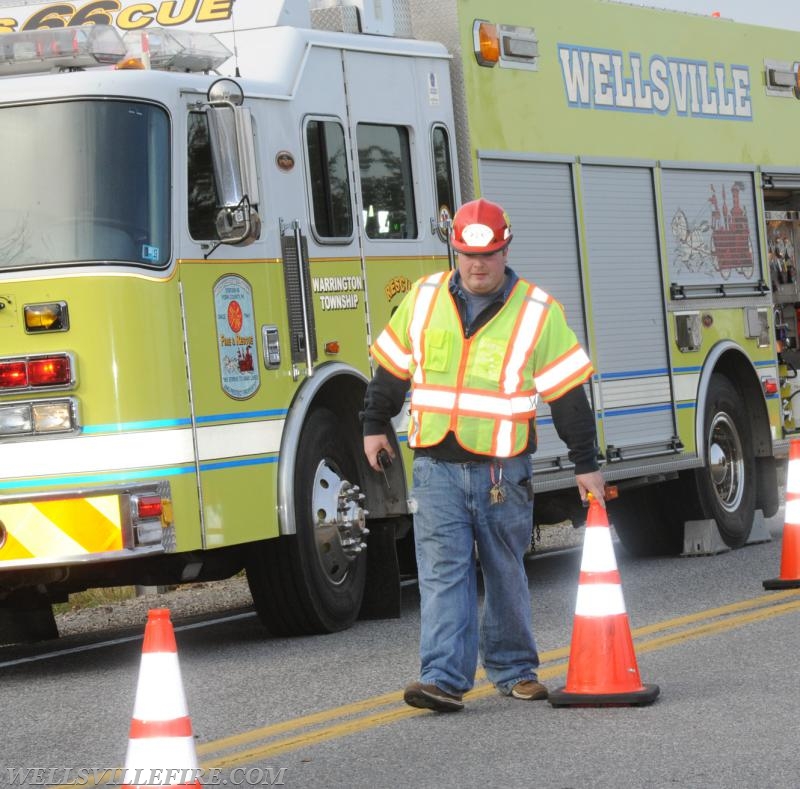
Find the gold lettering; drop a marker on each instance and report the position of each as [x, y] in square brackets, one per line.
[56, 15]
[96, 13]
[397, 285]
[135, 17]
[211, 10]
[168, 17]
[8, 25]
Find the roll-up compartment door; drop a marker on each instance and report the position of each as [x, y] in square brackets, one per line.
[631, 358]
[539, 199]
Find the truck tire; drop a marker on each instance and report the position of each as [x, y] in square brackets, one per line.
[313, 581]
[726, 485]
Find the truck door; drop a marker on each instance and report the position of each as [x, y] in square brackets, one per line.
[395, 105]
[230, 296]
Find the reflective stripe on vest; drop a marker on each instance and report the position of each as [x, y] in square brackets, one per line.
[473, 403]
[389, 353]
[556, 377]
[389, 350]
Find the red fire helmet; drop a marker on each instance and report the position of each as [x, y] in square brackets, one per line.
[480, 227]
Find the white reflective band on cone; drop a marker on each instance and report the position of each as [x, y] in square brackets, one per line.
[152, 753]
[161, 696]
[599, 600]
[598, 552]
[793, 511]
[793, 477]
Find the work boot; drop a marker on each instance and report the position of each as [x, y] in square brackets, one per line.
[529, 690]
[430, 697]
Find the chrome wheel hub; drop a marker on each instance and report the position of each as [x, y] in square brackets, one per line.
[726, 462]
[339, 520]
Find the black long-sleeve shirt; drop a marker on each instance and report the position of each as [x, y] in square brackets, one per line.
[572, 415]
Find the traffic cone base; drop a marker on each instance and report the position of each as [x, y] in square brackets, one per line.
[782, 583]
[602, 667]
[646, 695]
[789, 577]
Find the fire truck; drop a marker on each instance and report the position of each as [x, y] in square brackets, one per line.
[212, 208]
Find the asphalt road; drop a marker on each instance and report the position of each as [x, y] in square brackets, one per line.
[327, 711]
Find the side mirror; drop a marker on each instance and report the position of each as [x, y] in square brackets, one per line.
[230, 129]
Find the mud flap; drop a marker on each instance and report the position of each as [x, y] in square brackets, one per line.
[382, 587]
[767, 496]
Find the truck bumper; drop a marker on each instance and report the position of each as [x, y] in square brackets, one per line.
[63, 528]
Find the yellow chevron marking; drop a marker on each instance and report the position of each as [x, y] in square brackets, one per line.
[14, 549]
[85, 523]
[62, 528]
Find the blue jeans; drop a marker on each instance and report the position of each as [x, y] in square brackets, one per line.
[455, 515]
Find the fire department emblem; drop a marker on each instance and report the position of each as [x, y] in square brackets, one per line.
[236, 337]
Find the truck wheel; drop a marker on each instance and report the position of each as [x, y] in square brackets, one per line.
[726, 484]
[313, 581]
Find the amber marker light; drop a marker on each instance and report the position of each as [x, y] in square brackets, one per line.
[53, 316]
[332, 347]
[131, 64]
[486, 43]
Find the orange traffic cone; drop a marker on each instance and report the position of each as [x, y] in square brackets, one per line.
[602, 667]
[161, 748]
[790, 548]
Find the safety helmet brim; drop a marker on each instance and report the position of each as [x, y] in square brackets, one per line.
[480, 227]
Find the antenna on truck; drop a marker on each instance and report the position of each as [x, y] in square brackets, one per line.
[235, 46]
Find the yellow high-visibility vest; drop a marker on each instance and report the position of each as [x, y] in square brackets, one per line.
[483, 388]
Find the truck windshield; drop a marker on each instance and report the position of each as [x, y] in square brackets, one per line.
[84, 181]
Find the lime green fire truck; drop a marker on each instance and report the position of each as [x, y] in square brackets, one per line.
[211, 209]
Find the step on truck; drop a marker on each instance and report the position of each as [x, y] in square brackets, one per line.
[211, 209]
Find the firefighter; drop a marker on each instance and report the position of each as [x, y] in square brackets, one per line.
[477, 346]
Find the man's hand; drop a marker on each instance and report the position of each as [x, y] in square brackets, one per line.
[373, 445]
[593, 483]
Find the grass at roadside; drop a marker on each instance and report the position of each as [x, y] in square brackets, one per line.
[92, 598]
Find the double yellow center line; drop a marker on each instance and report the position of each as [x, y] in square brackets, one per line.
[264, 743]
[261, 744]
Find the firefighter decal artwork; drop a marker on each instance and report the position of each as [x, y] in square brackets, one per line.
[714, 241]
[238, 366]
[731, 244]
